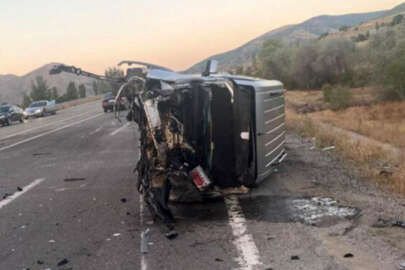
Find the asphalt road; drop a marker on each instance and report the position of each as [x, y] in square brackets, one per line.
[73, 201]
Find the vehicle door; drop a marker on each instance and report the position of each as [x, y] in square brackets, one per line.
[13, 114]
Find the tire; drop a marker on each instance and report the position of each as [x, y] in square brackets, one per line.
[21, 120]
[105, 110]
[7, 123]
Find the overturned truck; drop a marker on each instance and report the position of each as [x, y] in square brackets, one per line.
[199, 134]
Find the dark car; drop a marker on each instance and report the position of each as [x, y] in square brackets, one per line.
[109, 103]
[10, 113]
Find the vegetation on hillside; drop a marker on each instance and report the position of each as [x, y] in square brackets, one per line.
[377, 59]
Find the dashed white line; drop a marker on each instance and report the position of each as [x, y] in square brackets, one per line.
[11, 198]
[48, 132]
[119, 129]
[249, 258]
[95, 131]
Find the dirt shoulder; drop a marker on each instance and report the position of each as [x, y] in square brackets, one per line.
[312, 173]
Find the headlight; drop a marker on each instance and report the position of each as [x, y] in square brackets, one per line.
[38, 111]
[2, 116]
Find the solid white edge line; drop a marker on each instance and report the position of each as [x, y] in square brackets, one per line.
[48, 132]
[144, 264]
[119, 129]
[27, 188]
[249, 258]
[45, 125]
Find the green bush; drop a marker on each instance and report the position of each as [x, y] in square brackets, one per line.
[327, 92]
[340, 98]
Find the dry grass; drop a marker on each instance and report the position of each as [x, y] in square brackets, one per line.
[312, 101]
[382, 122]
[375, 161]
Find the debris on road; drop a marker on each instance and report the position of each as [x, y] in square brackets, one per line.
[171, 235]
[382, 223]
[41, 154]
[40, 262]
[235, 190]
[6, 195]
[19, 188]
[144, 241]
[328, 148]
[313, 210]
[63, 262]
[295, 257]
[348, 255]
[51, 241]
[123, 200]
[116, 234]
[218, 260]
[74, 179]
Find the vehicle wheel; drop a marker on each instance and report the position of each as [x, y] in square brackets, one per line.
[21, 120]
[7, 123]
[105, 110]
[54, 112]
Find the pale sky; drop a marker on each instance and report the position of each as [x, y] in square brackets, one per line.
[96, 34]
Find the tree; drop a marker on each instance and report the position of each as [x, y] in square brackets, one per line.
[394, 76]
[397, 19]
[40, 89]
[95, 88]
[26, 101]
[54, 95]
[82, 91]
[114, 73]
[71, 92]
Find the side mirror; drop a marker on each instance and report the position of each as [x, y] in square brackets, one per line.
[211, 68]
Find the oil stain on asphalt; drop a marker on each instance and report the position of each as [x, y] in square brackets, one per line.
[316, 211]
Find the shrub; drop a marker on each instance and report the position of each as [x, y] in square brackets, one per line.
[327, 92]
[340, 98]
[397, 19]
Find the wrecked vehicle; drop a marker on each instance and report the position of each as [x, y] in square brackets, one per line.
[199, 133]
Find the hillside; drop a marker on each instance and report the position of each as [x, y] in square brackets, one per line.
[13, 87]
[309, 29]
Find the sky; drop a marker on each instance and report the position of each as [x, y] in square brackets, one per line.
[96, 34]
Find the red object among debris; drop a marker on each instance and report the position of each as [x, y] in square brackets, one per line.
[199, 178]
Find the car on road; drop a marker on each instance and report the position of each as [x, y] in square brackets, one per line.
[40, 108]
[10, 113]
[109, 103]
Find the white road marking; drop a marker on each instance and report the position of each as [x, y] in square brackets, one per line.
[95, 131]
[11, 198]
[144, 263]
[49, 132]
[35, 128]
[119, 129]
[249, 258]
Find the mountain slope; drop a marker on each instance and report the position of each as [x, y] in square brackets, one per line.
[309, 29]
[13, 87]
